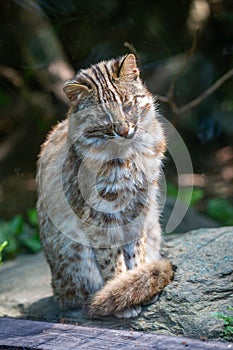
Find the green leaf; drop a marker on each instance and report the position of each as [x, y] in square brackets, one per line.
[32, 216]
[29, 238]
[221, 210]
[32, 243]
[7, 233]
[197, 194]
[16, 225]
[22, 236]
[228, 323]
[172, 190]
[2, 246]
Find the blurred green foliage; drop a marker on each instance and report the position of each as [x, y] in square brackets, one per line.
[221, 210]
[21, 234]
[5, 99]
[228, 324]
[197, 194]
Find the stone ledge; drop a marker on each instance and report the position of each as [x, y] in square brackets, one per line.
[203, 285]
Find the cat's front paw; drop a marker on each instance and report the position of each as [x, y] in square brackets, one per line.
[129, 312]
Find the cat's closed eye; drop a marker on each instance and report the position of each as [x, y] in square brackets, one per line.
[127, 107]
[100, 131]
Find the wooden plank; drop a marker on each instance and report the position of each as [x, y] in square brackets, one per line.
[18, 334]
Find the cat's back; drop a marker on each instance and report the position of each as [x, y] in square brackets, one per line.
[50, 162]
[55, 141]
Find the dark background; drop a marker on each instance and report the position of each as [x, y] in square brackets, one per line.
[44, 42]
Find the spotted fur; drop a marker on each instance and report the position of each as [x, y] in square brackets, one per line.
[97, 205]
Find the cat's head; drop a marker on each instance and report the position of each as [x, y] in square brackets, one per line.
[108, 100]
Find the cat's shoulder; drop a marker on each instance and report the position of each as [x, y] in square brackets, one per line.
[53, 149]
[56, 136]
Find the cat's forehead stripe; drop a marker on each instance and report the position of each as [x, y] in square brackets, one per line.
[108, 69]
[99, 83]
[100, 77]
[105, 87]
[89, 79]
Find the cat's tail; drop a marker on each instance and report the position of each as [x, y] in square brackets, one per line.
[131, 288]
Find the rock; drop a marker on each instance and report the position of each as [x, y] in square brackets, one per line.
[203, 285]
[24, 281]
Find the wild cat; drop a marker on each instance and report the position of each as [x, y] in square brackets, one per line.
[97, 205]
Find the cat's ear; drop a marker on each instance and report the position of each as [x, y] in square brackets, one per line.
[128, 69]
[75, 91]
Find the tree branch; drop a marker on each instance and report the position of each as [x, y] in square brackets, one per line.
[195, 102]
[12, 75]
[188, 56]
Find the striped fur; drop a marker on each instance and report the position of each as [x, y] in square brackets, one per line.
[97, 178]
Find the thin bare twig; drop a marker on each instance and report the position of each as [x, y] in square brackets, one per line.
[194, 103]
[12, 75]
[188, 56]
[206, 93]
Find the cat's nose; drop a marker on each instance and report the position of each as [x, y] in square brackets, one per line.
[122, 129]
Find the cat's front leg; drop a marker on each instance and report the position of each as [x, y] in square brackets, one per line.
[75, 276]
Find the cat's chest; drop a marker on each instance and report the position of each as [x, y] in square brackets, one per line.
[119, 175]
[107, 194]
